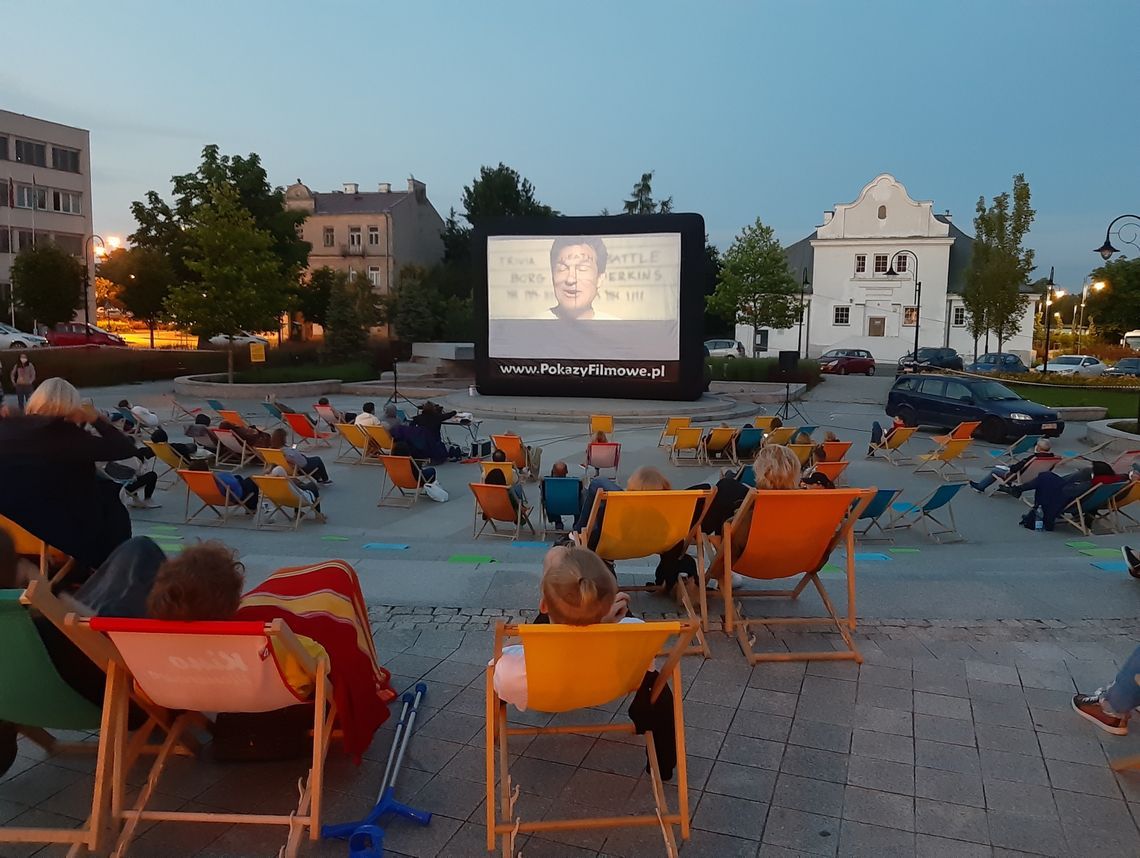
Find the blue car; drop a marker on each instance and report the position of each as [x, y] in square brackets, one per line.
[947, 400]
[997, 362]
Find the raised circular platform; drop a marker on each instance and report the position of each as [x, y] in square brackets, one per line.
[711, 407]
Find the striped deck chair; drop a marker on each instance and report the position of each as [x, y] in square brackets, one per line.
[687, 439]
[904, 514]
[493, 505]
[944, 460]
[304, 429]
[719, 441]
[561, 498]
[286, 499]
[747, 443]
[765, 422]
[53, 565]
[273, 458]
[514, 447]
[832, 470]
[891, 444]
[672, 424]
[781, 435]
[1083, 512]
[835, 451]
[353, 445]
[230, 416]
[205, 488]
[872, 514]
[601, 423]
[792, 534]
[802, 452]
[602, 456]
[1116, 514]
[400, 484]
[582, 667]
[1023, 446]
[210, 667]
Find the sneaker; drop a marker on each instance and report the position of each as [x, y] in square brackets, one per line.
[978, 487]
[1132, 559]
[325, 482]
[1088, 707]
[149, 503]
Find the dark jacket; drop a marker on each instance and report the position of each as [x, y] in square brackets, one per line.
[51, 488]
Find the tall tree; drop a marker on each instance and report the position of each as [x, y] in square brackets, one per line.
[1000, 264]
[1117, 307]
[144, 277]
[413, 307]
[642, 202]
[755, 287]
[48, 283]
[311, 297]
[237, 280]
[353, 308]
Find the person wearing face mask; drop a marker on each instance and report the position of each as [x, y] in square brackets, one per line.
[23, 379]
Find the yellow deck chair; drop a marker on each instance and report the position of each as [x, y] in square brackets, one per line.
[671, 427]
[171, 458]
[202, 485]
[792, 533]
[506, 467]
[636, 525]
[231, 417]
[687, 439]
[379, 441]
[601, 423]
[353, 445]
[493, 506]
[889, 448]
[833, 470]
[1116, 513]
[836, 450]
[718, 441]
[579, 667]
[286, 499]
[54, 565]
[943, 461]
[274, 458]
[802, 452]
[781, 436]
[400, 485]
[514, 447]
[765, 422]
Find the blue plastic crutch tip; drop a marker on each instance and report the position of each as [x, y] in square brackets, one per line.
[407, 697]
[367, 841]
[421, 687]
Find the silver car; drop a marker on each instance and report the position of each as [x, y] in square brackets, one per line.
[724, 348]
[11, 338]
[1073, 365]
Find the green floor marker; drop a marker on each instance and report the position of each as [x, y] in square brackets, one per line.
[905, 550]
[469, 558]
[167, 528]
[334, 538]
[165, 537]
[830, 567]
[1080, 543]
[1101, 552]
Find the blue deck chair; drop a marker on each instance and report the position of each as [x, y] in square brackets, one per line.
[904, 514]
[217, 405]
[1082, 512]
[806, 430]
[1023, 446]
[561, 498]
[747, 442]
[747, 476]
[131, 424]
[274, 412]
[879, 504]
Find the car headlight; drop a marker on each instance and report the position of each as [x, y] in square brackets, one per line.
[1017, 415]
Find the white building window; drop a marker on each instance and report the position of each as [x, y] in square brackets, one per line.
[910, 316]
[901, 263]
[880, 263]
[843, 315]
[860, 263]
[329, 236]
[352, 275]
[959, 317]
[28, 197]
[374, 275]
[373, 236]
[28, 152]
[66, 202]
[354, 236]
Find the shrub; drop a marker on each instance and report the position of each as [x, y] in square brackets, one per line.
[1075, 381]
[762, 369]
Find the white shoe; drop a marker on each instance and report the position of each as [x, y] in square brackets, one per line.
[127, 498]
[148, 503]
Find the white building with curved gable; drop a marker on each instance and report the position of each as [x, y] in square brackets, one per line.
[852, 302]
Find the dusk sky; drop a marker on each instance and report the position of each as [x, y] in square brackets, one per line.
[744, 109]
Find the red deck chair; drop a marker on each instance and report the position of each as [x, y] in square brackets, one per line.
[304, 429]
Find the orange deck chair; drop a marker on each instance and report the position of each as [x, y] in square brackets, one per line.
[54, 565]
[580, 667]
[210, 667]
[687, 440]
[601, 423]
[202, 485]
[892, 443]
[944, 460]
[231, 416]
[962, 431]
[792, 533]
[233, 453]
[719, 441]
[671, 426]
[399, 486]
[836, 451]
[379, 441]
[493, 506]
[513, 446]
[353, 445]
[833, 470]
[304, 429]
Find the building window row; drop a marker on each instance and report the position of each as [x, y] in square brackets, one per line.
[19, 239]
[38, 198]
[35, 154]
[882, 263]
[355, 237]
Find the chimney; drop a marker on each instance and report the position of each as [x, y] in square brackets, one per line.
[385, 188]
[947, 215]
[351, 187]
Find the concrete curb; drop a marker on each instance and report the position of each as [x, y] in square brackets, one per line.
[203, 386]
[1099, 432]
[1081, 413]
[758, 391]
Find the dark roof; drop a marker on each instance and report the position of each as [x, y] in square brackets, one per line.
[961, 251]
[800, 256]
[372, 202]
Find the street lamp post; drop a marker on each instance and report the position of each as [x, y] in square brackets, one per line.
[800, 338]
[1051, 292]
[1128, 233]
[87, 283]
[917, 294]
[1096, 287]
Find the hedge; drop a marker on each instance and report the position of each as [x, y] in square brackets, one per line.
[97, 366]
[762, 369]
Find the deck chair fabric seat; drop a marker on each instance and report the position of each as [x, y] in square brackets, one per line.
[873, 512]
[672, 424]
[765, 421]
[304, 430]
[217, 406]
[835, 451]
[507, 469]
[353, 445]
[963, 431]
[780, 435]
[746, 443]
[802, 452]
[233, 453]
[891, 445]
[514, 448]
[561, 498]
[286, 499]
[203, 486]
[603, 456]
[400, 484]
[379, 441]
[327, 414]
[1084, 511]
[832, 470]
[1023, 446]
[493, 507]
[1117, 517]
[230, 416]
[719, 441]
[601, 423]
[905, 514]
[275, 412]
[53, 564]
[686, 448]
[273, 458]
[943, 461]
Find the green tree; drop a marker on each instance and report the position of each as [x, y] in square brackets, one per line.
[353, 308]
[48, 283]
[1117, 306]
[1000, 264]
[413, 307]
[714, 322]
[144, 278]
[642, 202]
[237, 280]
[312, 296]
[755, 286]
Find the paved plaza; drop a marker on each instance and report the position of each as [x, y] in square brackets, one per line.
[955, 737]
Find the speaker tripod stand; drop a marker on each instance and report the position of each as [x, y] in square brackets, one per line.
[396, 398]
[788, 408]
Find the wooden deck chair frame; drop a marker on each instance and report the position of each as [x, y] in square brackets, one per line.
[274, 458]
[601, 423]
[874, 521]
[832, 532]
[399, 485]
[943, 461]
[832, 470]
[1121, 459]
[687, 439]
[233, 453]
[353, 445]
[720, 440]
[383, 440]
[1021, 447]
[514, 448]
[27, 544]
[225, 500]
[520, 513]
[1084, 511]
[641, 504]
[501, 817]
[899, 518]
[891, 445]
[302, 427]
[307, 814]
[177, 409]
[1129, 495]
[672, 424]
[280, 493]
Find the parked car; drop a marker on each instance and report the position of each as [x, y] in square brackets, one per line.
[847, 362]
[12, 338]
[1074, 365]
[80, 334]
[241, 338]
[997, 362]
[947, 400]
[1123, 367]
[930, 359]
[724, 348]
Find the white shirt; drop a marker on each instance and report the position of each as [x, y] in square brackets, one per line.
[366, 419]
[145, 416]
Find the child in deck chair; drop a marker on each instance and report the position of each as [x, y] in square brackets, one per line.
[577, 590]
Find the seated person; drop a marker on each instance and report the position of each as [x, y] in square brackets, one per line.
[337, 416]
[312, 465]
[391, 417]
[132, 481]
[159, 436]
[1103, 473]
[716, 454]
[303, 488]
[497, 478]
[599, 438]
[577, 590]
[426, 475]
[516, 487]
[242, 488]
[251, 436]
[143, 416]
[1051, 494]
[200, 433]
[426, 437]
[879, 437]
[1007, 474]
[367, 416]
[559, 469]
[644, 479]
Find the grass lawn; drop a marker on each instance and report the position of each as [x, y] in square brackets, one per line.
[352, 371]
[1120, 403]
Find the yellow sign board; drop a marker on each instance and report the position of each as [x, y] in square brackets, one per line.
[256, 353]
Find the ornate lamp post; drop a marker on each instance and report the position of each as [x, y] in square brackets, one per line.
[917, 293]
[1128, 233]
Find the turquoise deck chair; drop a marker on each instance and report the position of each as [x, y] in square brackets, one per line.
[904, 514]
[561, 498]
[217, 405]
[273, 411]
[873, 511]
[747, 442]
[1083, 512]
[747, 476]
[1023, 446]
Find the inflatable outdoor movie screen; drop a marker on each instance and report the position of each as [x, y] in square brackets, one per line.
[591, 306]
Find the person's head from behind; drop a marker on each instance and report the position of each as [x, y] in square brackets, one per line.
[647, 479]
[830, 437]
[777, 423]
[495, 477]
[498, 456]
[577, 588]
[600, 437]
[123, 403]
[277, 438]
[560, 469]
[369, 408]
[1044, 446]
[56, 397]
[577, 269]
[204, 582]
[390, 411]
[202, 419]
[324, 400]
[776, 467]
